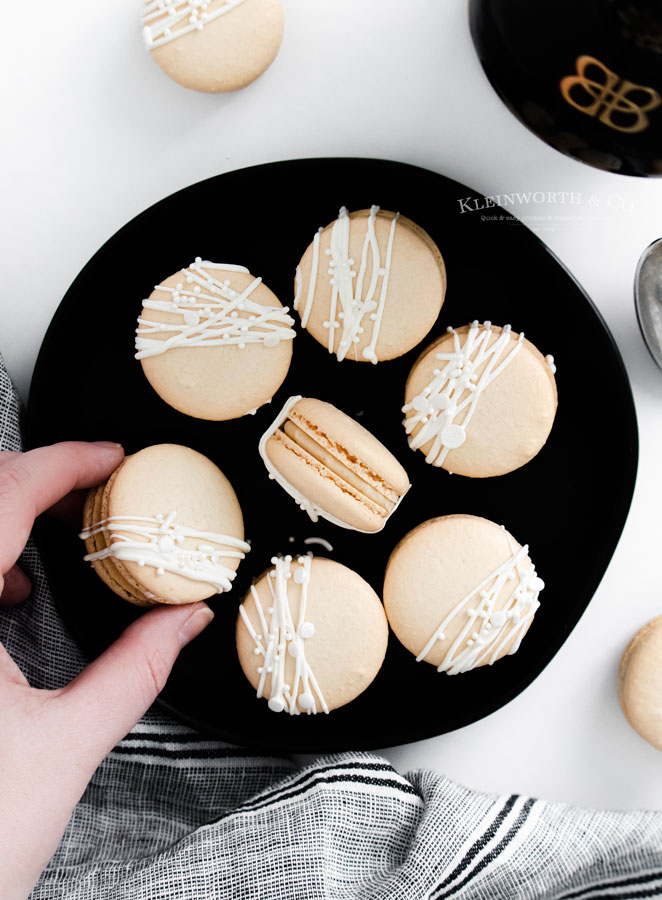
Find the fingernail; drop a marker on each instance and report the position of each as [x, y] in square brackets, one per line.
[195, 623]
[107, 445]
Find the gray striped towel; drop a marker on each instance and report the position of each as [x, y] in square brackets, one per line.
[171, 815]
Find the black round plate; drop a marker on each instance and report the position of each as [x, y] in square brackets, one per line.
[569, 504]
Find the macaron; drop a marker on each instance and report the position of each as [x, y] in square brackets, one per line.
[311, 635]
[332, 466]
[640, 682]
[213, 46]
[460, 592]
[370, 286]
[480, 401]
[214, 342]
[165, 528]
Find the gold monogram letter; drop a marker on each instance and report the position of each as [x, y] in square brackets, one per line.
[609, 95]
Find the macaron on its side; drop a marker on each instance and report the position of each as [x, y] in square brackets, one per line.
[336, 642]
[181, 507]
[332, 466]
[392, 299]
[321, 486]
[226, 47]
[353, 445]
[227, 339]
[116, 572]
[460, 592]
[640, 682]
[316, 446]
[97, 542]
[486, 407]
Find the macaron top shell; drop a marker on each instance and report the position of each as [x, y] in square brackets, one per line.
[214, 381]
[402, 260]
[502, 425]
[640, 682]
[342, 637]
[440, 564]
[228, 47]
[167, 478]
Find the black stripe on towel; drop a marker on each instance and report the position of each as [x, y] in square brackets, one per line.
[348, 778]
[479, 844]
[604, 885]
[492, 855]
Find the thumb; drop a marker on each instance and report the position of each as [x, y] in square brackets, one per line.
[106, 700]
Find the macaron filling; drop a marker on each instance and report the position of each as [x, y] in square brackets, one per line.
[335, 465]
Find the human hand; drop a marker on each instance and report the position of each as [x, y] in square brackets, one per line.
[51, 741]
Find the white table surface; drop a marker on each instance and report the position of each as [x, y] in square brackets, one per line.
[92, 133]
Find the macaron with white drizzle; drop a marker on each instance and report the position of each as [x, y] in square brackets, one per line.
[213, 46]
[311, 635]
[213, 341]
[480, 401]
[165, 528]
[474, 596]
[370, 285]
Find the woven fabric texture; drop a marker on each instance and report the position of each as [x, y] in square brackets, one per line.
[171, 814]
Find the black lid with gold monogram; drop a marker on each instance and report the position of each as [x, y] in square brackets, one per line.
[584, 75]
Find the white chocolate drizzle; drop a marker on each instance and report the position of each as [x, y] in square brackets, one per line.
[156, 541]
[322, 542]
[456, 389]
[487, 631]
[213, 314]
[161, 18]
[349, 306]
[314, 511]
[313, 281]
[298, 287]
[280, 637]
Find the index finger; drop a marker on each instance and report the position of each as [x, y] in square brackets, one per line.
[32, 482]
